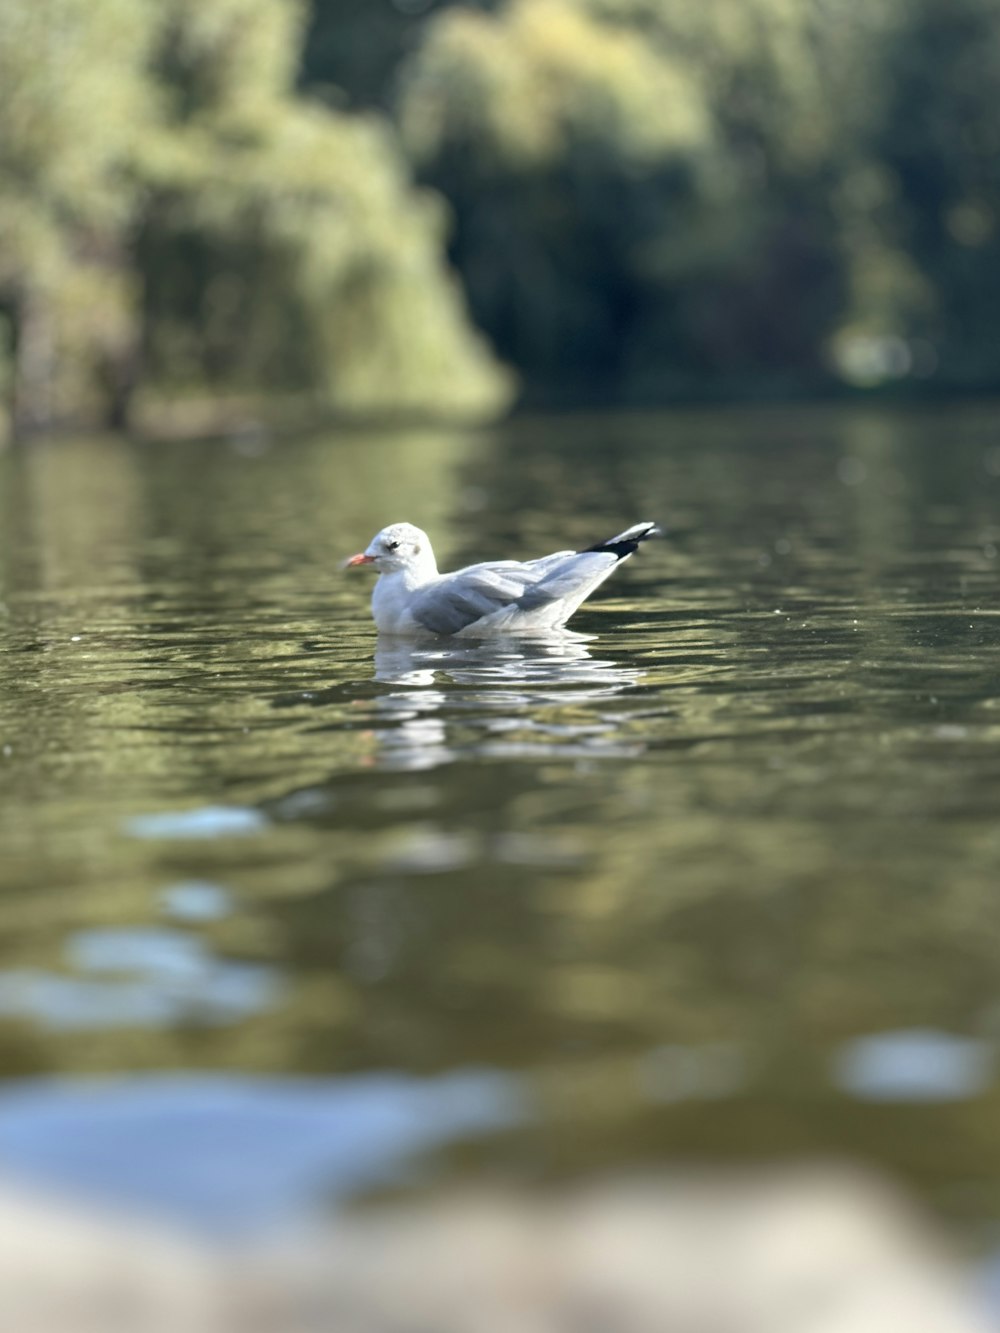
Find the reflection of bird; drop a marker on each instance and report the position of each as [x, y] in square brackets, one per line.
[555, 657]
[517, 695]
[496, 597]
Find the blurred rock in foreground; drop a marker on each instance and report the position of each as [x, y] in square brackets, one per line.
[823, 1250]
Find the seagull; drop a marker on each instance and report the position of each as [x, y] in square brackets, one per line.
[496, 597]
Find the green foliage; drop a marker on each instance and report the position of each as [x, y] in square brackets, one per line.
[75, 107]
[286, 244]
[654, 195]
[656, 174]
[174, 219]
[940, 137]
[645, 198]
[354, 47]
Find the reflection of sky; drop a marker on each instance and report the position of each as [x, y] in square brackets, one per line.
[209, 821]
[914, 1065]
[911, 1065]
[143, 976]
[233, 1152]
[195, 900]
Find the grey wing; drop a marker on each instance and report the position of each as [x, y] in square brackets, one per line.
[458, 600]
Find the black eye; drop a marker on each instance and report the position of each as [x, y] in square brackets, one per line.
[392, 545]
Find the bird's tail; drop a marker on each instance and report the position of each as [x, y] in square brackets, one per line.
[627, 542]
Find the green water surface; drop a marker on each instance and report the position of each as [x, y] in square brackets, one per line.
[719, 880]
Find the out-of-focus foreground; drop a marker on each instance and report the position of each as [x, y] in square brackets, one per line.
[210, 204]
[809, 1251]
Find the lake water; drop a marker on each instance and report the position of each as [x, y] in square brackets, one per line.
[289, 914]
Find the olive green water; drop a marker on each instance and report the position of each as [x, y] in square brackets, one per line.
[721, 880]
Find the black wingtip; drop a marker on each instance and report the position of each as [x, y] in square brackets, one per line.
[627, 542]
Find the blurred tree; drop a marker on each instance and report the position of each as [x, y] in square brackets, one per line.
[652, 195]
[174, 219]
[284, 243]
[940, 138]
[833, 215]
[354, 47]
[650, 198]
[75, 107]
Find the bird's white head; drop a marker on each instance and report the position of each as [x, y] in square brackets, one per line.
[399, 546]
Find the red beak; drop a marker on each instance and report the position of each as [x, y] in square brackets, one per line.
[360, 559]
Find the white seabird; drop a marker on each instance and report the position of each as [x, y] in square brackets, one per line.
[495, 597]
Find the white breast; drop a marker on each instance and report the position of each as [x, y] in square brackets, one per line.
[390, 597]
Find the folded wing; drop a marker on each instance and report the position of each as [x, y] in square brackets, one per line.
[457, 601]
